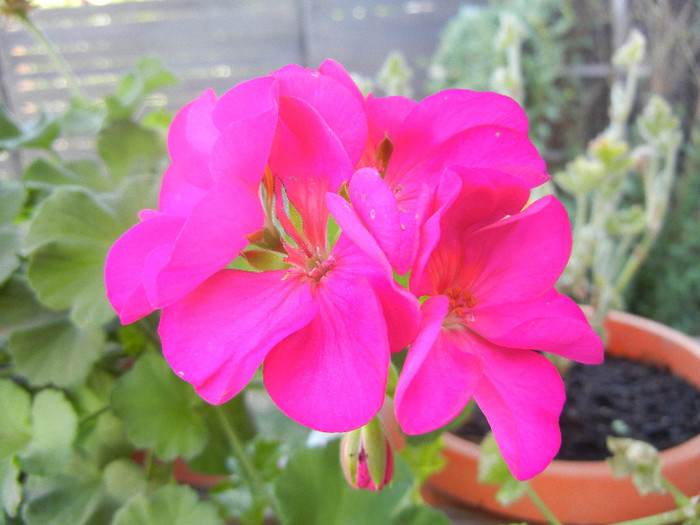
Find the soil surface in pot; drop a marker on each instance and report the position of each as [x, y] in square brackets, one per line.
[619, 397]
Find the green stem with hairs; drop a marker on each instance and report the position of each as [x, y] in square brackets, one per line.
[56, 58]
[252, 475]
[541, 505]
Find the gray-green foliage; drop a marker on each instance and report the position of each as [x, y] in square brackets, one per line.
[468, 56]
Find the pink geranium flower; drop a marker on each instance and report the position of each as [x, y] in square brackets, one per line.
[411, 152]
[323, 315]
[491, 304]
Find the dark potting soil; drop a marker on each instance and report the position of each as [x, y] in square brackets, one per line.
[619, 397]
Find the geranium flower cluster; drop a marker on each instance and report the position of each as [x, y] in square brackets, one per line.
[290, 205]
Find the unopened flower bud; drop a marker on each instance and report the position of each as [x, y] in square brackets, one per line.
[367, 457]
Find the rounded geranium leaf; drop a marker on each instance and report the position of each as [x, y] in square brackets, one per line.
[15, 419]
[55, 352]
[68, 241]
[170, 505]
[159, 410]
[12, 197]
[54, 428]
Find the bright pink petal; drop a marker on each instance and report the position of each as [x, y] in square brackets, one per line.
[210, 239]
[332, 374]
[337, 105]
[245, 100]
[216, 337]
[521, 395]
[400, 308]
[177, 195]
[243, 148]
[439, 375]
[516, 259]
[386, 115]
[488, 146]
[309, 160]
[191, 136]
[443, 115]
[552, 323]
[337, 72]
[396, 231]
[124, 267]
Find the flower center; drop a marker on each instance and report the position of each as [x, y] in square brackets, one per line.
[460, 300]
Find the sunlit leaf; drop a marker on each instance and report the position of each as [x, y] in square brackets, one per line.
[54, 427]
[169, 505]
[15, 418]
[159, 410]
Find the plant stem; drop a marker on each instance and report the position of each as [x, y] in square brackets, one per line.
[56, 58]
[541, 506]
[691, 511]
[250, 472]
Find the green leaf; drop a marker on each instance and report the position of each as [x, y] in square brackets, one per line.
[12, 197]
[150, 76]
[69, 238]
[71, 497]
[170, 505]
[130, 149]
[159, 410]
[312, 491]
[38, 134]
[56, 352]
[54, 428]
[15, 418]
[84, 117]
[43, 173]
[19, 308]
[10, 487]
[124, 479]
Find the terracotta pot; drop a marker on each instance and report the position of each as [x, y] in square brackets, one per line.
[585, 492]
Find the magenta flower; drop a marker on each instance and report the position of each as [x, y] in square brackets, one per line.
[491, 303]
[411, 154]
[367, 457]
[323, 315]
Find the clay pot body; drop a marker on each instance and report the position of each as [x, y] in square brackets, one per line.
[585, 492]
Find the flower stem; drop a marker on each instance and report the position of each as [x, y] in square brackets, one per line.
[541, 505]
[250, 472]
[56, 58]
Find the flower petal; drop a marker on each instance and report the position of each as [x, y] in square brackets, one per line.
[211, 237]
[332, 374]
[126, 261]
[400, 308]
[521, 395]
[443, 115]
[552, 323]
[516, 259]
[333, 100]
[439, 375]
[396, 232]
[217, 336]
